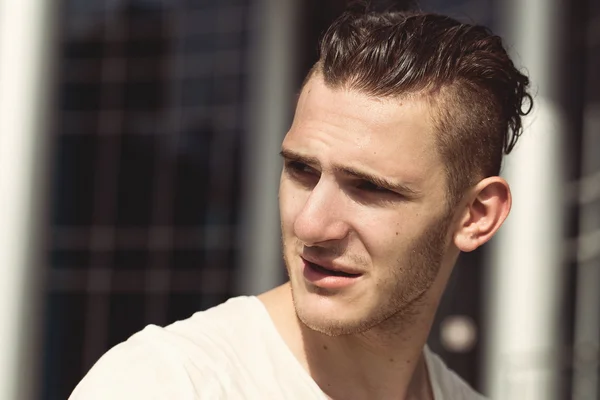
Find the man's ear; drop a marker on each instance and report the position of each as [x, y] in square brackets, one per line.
[485, 210]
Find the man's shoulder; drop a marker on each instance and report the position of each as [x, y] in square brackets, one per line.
[132, 369]
[446, 383]
[205, 333]
[223, 319]
[159, 361]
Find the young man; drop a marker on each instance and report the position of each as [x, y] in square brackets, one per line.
[390, 171]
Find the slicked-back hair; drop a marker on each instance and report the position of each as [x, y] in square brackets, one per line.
[463, 70]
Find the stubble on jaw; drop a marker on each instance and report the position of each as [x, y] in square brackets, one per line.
[413, 275]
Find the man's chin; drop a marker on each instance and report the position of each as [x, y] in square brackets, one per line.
[330, 317]
[334, 325]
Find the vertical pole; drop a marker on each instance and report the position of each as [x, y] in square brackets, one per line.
[587, 298]
[525, 294]
[270, 95]
[586, 354]
[26, 49]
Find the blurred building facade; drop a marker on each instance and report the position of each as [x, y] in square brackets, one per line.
[146, 168]
[149, 158]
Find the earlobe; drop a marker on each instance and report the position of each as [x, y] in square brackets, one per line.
[484, 213]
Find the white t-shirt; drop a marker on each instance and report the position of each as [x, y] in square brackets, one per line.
[232, 351]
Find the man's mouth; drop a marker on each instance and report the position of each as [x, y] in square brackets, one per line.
[323, 270]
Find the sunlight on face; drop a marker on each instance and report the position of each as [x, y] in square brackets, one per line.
[362, 191]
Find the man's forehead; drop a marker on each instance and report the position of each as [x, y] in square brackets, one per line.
[393, 137]
[316, 82]
[318, 98]
[316, 86]
[366, 117]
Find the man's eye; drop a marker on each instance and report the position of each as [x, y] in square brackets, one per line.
[371, 187]
[299, 168]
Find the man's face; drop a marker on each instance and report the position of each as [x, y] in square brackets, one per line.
[362, 202]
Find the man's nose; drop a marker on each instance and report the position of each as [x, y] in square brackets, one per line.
[322, 218]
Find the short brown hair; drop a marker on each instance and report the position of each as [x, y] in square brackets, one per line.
[463, 69]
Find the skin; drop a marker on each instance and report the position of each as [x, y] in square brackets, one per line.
[365, 341]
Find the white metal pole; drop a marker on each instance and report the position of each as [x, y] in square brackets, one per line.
[26, 46]
[525, 292]
[270, 97]
[587, 299]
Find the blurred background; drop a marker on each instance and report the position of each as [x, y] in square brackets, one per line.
[139, 167]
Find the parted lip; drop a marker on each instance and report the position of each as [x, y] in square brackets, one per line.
[330, 264]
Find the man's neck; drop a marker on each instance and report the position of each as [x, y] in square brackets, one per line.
[362, 367]
[378, 364]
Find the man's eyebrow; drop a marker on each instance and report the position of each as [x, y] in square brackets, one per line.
[292, 156]
[378, 180]
[354, 172]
